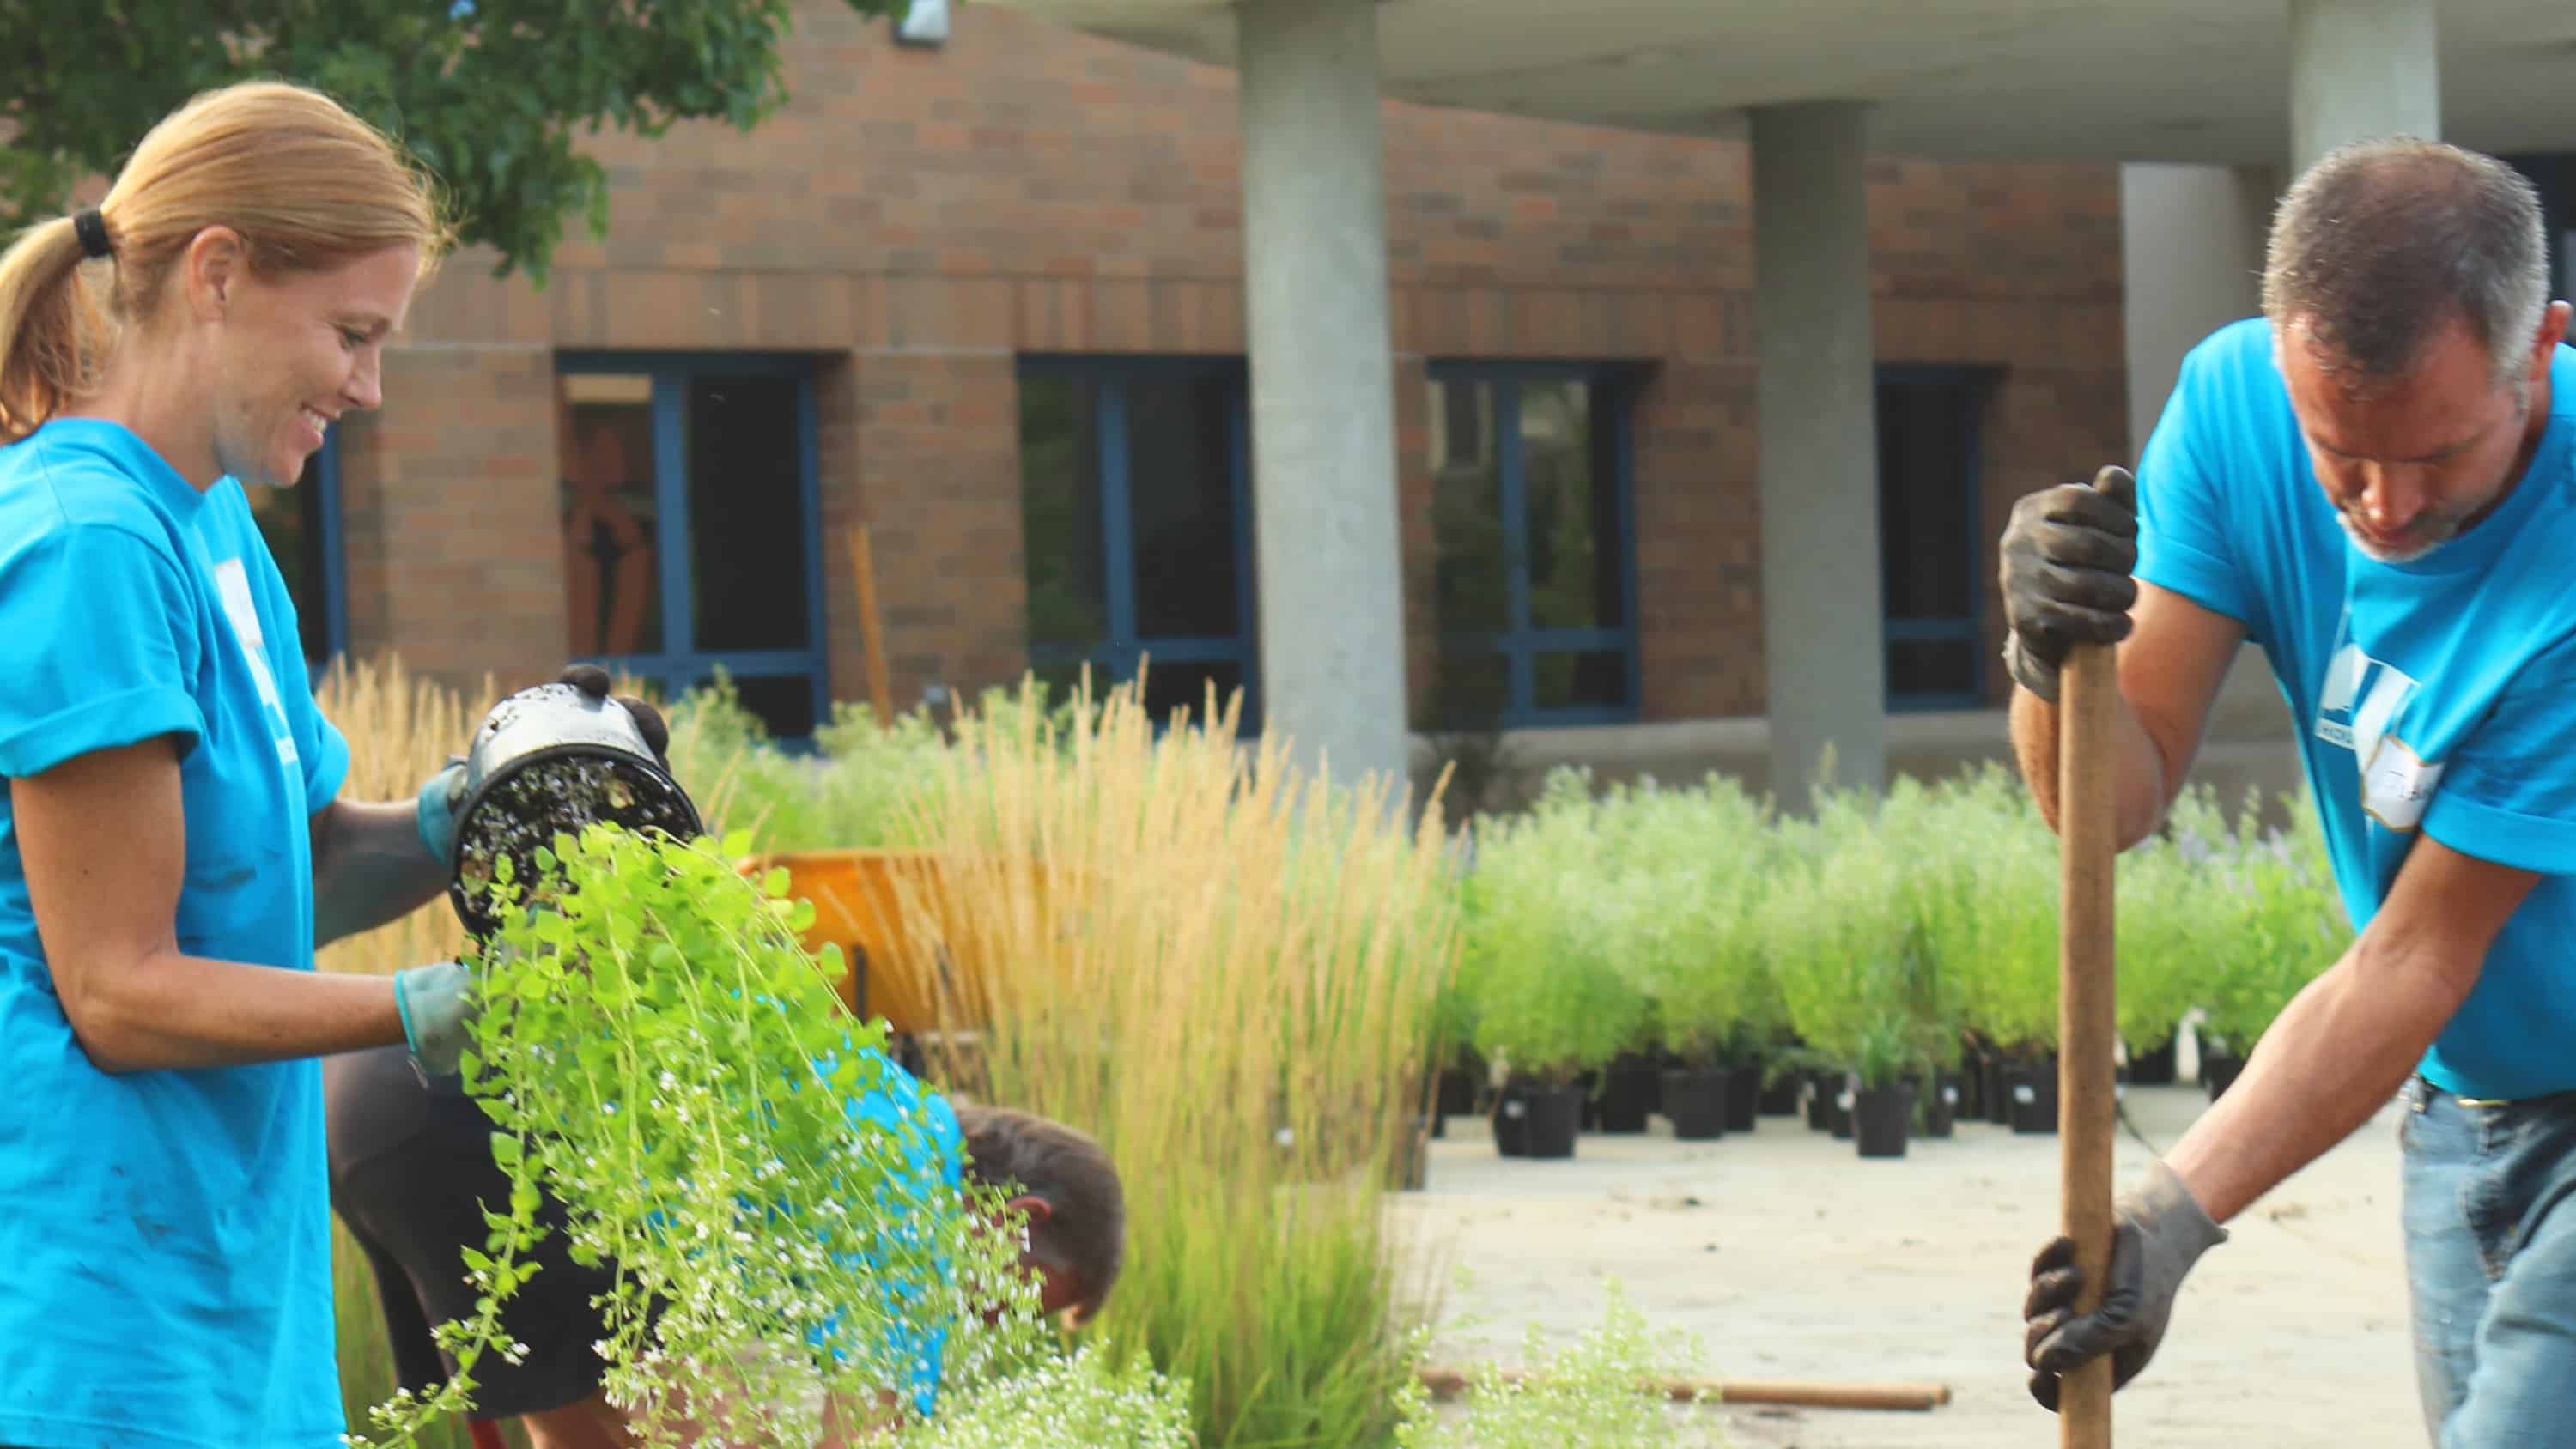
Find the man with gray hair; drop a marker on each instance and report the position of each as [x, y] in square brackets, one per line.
[2373, 481]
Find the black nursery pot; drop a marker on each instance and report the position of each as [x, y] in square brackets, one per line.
[2032, 1090]
[1838, 1117]
[2153, 1068]
[1780, 1099]
[1630, 1093]
[1743, 1097]
[1511, 1120]
[2218, 1072]
[1820, 1090]
[1555, 1118]
[1997, 1088]
[1698, 1103]
[1880, 1117]
[1941, 1108]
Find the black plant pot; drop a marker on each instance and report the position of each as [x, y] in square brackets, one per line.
[1698, 1103]
[1743, 1096]
[1879, 1117]
[1511, 1120]
[1838, 1117]
[1997, 1092]
[1940, 1106]
[1456, 1094]
[1781, 1098]
[2218, 1071]
[1820, 1088]
[1555, 1119]
[1628, 1096]
[2033, 1089]
[2153, 1068]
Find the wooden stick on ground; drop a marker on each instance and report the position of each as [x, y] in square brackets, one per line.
[863, 563]
[1449, 1383]
[2088, 698]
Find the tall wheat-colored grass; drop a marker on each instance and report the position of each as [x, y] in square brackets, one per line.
[1227, 974]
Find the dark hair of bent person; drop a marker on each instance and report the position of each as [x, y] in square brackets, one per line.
[1086, 1230]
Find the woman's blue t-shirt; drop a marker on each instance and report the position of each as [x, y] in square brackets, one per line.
[166, 1233]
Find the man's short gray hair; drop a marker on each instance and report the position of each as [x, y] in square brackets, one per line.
[2380, 243]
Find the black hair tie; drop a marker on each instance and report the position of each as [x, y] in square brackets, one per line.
[92, 230]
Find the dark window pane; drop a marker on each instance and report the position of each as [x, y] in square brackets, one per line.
[612, 579]
[1926, 500]
[747, 524]
[1180, 504]
[290, 522]
[1573, 516]
[1470, 690]
[1060, 510]
[1471, 575]
[783, 702]
[1595, 679]
[1170, 687]
[1917, 667]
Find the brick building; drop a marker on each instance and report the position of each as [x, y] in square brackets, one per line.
[988, 300]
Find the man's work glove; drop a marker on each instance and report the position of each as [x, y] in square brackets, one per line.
[438, 1008]
[444, 791]
[2068, 553]
[2158, 1232]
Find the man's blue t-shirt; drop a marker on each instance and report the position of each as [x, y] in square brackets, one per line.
[892, 1107]
[166, 1234]
[2437, 695]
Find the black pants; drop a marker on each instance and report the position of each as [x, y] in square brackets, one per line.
[411, 1173]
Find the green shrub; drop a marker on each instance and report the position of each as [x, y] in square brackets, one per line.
[1600, 1392]
[1550, 994]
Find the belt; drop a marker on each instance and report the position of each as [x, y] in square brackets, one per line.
[2423, 1092]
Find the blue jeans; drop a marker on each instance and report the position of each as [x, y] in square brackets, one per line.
[2490, 1221]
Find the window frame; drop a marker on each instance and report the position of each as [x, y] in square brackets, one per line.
[679, 664]
[1980, 382]
[1613, 388]
[1117, 655]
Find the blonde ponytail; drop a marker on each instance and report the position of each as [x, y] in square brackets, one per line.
[54, 329]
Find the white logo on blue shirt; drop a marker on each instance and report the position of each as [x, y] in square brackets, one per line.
[232, 581]
[2360, 698]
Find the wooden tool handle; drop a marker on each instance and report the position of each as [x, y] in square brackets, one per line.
[1449, 1383]
[2088, 697]
[863, 564]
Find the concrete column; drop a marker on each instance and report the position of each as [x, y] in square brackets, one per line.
[1823, 629]
[2191, 249]
[2360, 69]
[1327, 540]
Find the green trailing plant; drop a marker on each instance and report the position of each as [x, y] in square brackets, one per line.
[658, 1053]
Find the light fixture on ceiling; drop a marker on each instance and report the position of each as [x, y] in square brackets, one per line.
[923, 23]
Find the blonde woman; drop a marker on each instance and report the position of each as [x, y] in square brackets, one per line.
[172, 844]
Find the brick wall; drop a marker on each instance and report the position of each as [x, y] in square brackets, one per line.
[449, 511]
[914, 218]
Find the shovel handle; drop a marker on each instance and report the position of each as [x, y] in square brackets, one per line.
[2088, 1111]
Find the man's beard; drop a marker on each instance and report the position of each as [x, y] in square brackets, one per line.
[2432, 532]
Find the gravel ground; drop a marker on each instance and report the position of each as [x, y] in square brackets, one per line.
[1792, 1258]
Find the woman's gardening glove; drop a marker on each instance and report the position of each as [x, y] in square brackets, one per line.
[2158, 1232]
[2068, 553]
[438, 1006]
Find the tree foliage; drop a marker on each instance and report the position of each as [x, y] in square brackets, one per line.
[493, 95]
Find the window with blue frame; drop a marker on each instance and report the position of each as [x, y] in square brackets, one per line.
[1535, 563]
[690, 537]
[1931, 488]
[301, 526]
[1136, 522]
